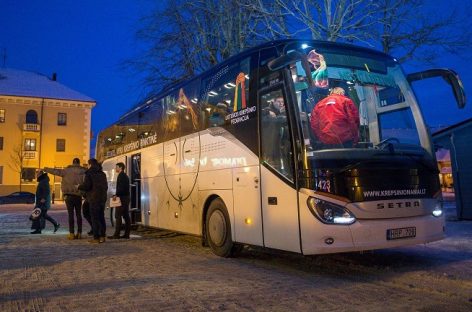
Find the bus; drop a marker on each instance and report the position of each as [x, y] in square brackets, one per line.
[212, 156]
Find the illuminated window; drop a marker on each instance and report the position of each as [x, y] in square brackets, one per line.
[61, 119]
[2, 115]
[30, 144]
[60, 145]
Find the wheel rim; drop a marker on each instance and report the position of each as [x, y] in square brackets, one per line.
[217, 228]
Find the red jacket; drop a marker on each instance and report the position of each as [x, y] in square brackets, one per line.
[335, 120]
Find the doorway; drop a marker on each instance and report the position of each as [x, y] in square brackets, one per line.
[135, 181]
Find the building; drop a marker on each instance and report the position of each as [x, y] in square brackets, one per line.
[454, 152]
[42, 124]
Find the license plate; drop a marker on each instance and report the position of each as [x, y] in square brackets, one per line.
[401, 233]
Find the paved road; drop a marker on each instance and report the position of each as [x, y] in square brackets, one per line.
[161, 271]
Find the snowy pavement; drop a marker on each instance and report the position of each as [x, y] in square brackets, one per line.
[161, 271]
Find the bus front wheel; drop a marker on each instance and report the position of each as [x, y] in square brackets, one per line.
[218, 229]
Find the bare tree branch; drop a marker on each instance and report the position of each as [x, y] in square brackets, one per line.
[187, 37]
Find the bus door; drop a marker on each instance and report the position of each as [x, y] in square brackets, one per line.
[135, 181]
[278, 193]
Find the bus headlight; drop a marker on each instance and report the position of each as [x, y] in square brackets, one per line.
[330, 213]
[438, 211]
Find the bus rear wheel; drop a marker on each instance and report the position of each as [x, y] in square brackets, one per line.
[218, 229]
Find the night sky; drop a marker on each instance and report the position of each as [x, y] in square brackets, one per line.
[85, 43]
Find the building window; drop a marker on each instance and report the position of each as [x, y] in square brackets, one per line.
[2, 115]
[31, 117]
[28, 174]
[1, 174]
[60, 145]
[30, 144]
[1, 143]
[61, 119]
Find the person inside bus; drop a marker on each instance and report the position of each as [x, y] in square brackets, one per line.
[276, 142]
[277, 107]
[218, 116]
[335, 120]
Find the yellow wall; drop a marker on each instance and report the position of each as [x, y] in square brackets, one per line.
[76, 133]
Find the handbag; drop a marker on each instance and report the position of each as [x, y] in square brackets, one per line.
[35, 213]
[115, 202]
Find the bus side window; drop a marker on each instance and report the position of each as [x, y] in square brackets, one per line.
[170, 125]
[220, 90]
[276, 143]
[188, 108]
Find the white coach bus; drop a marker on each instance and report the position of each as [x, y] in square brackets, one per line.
[232, 155]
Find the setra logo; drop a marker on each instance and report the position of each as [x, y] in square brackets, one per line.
[402, 204]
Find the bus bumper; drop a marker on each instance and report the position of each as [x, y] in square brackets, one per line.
[372, 234]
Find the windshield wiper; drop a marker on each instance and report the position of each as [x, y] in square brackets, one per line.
[384, 144]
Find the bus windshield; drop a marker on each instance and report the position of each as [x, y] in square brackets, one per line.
[355, 101]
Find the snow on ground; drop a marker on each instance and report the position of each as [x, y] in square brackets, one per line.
[162, 271]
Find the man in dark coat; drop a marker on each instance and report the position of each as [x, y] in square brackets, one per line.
[122, 192]
[95, 186]
[43, 201]
[72, 176]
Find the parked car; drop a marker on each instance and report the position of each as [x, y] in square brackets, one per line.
[18, 198]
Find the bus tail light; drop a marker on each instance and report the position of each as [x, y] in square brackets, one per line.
[330, 213]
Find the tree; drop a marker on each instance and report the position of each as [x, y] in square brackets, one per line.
[16, 160]
[408, 29]
[187, 37]
[413, 32]
[331, 20]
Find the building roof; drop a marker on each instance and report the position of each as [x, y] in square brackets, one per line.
[15, 82]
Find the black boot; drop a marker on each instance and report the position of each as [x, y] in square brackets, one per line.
[36, 232]
[56, 227]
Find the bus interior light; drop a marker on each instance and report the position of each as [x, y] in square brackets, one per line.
[330, 213]
[304, 45]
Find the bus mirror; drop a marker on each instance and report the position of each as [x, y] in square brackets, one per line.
[290, 58]
[450, 76]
